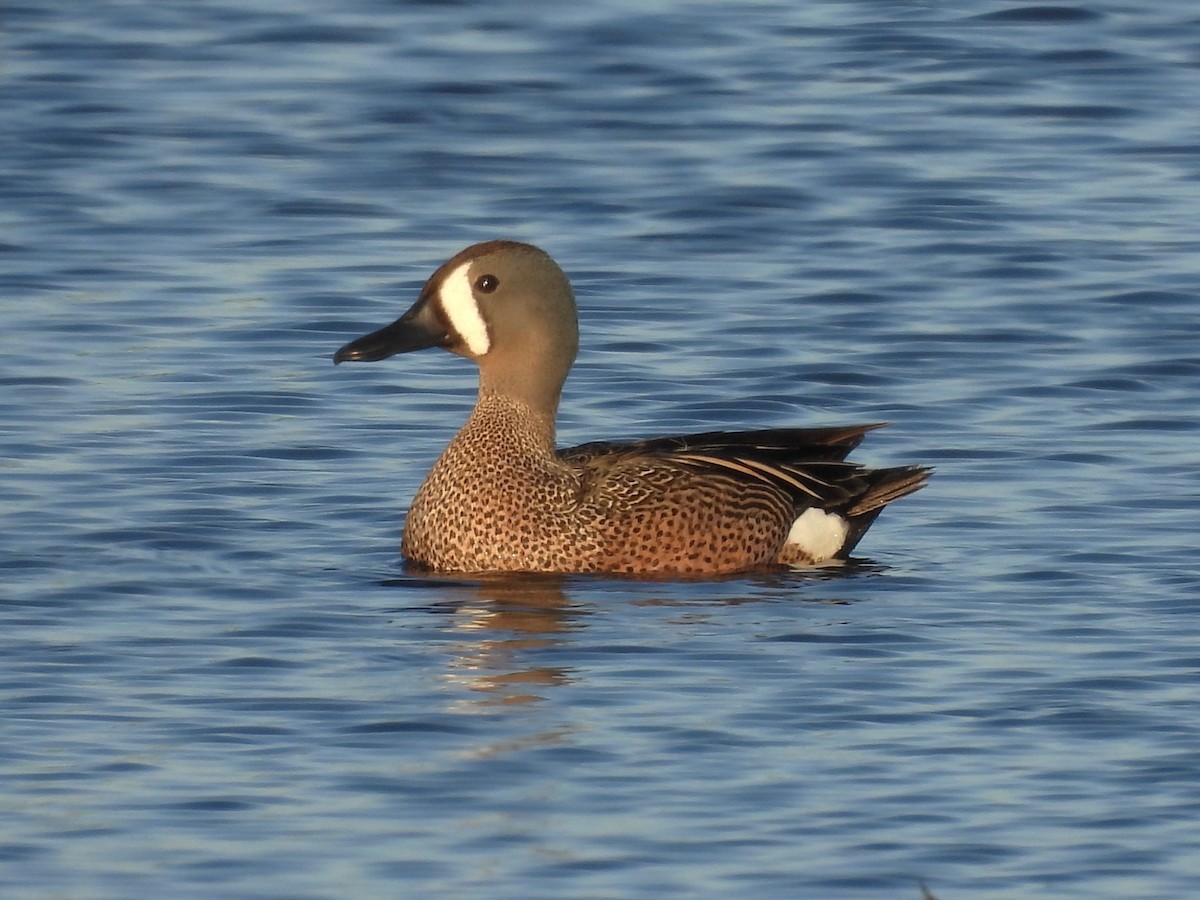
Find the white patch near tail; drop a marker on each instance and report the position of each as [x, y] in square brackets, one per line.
[818, 534]
[458, 303]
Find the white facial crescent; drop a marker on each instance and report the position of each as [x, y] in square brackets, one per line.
[458, 303]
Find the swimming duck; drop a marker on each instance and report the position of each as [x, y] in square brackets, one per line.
[502, 498]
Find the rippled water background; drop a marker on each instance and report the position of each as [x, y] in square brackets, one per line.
[977, 220]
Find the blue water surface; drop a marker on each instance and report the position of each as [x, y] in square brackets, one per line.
[976, 220]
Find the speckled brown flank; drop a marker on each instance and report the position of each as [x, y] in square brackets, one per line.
[500, 498]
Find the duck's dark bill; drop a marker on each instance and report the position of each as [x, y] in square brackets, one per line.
[415, 330]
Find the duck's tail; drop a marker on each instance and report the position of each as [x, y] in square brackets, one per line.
[885, 485]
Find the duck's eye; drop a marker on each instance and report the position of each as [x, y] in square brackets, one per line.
[485, 284]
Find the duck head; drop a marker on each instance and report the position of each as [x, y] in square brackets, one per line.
[505, 305]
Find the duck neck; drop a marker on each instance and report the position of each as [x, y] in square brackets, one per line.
[531, 374]
[521, 387]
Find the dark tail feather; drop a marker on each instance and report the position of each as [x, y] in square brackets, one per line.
[886, 485]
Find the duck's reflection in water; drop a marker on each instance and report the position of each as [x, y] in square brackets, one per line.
[504, 628]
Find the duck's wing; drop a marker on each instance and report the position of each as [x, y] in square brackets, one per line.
[780, 444]
[806, 464]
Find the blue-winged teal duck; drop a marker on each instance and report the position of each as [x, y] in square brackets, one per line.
[502, 497]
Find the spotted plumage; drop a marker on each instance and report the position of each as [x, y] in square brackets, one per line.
[502, 498]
